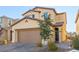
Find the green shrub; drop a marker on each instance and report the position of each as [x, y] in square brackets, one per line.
[75, 43]
[1, 42]
[39, 44]
[52, 46]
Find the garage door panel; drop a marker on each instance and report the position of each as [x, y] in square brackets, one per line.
[29, 36]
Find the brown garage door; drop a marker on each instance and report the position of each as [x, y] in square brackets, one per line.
[29, 35]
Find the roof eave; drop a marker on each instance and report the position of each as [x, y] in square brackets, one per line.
[44, 8]
[77, 17]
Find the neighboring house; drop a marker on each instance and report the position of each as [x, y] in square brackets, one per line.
[77, 23]
[5, 23]
[71, 35]
[27, 29]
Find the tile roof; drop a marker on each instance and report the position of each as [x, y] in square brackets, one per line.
[43, 8]
[57, 24]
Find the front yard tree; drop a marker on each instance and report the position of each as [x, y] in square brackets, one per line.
[45, 27]
[45, 30]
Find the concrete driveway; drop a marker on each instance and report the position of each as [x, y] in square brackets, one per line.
[21, 47]
[17, 47]
[73, 50]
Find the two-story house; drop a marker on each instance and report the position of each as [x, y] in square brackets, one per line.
[77, 23]
[5, 23]
[27, 29]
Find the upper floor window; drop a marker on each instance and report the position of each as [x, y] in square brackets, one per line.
[0, 19]
[46, 15]
[33, 16]
[9, 21]
[1, 25]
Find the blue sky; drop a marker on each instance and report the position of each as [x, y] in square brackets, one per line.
[16, 12]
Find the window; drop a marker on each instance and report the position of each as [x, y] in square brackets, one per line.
[46, 15]
[9, 21]
[0, 19]
[0, 26]
[33, 16]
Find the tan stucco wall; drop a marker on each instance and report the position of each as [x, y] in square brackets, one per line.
[23, 25]
[39, 15]
[60, 18]
[34, 24]
[4, 35]
[56, 18]
[77, 26]
[62, 29]
[64, 33]
[5, 22]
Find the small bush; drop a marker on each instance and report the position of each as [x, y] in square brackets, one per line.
[1, 42]
[5, 41]
[75, 43]
[52, 46]
[39, 44]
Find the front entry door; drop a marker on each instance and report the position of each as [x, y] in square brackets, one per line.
[10, 35]
[56, 35]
